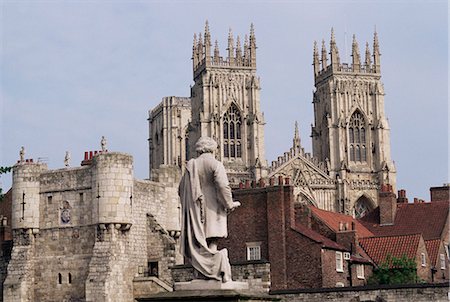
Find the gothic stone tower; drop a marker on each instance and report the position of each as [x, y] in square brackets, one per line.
[350, 129]
[226, 106]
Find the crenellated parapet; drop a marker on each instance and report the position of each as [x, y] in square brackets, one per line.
[323, 68]
[237, 56]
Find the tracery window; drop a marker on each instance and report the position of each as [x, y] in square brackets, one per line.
[362, 207]
[232, 140]
[357, 138]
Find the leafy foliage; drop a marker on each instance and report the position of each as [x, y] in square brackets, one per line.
[395, 270]
[3, 170]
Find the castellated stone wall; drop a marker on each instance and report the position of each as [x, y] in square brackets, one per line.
[83, 233]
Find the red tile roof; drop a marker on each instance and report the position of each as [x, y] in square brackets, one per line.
[427, 218]
[378, 248]
[332, 220]
[433, 249]
[314, 236]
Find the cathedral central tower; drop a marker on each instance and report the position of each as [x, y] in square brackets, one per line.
[225, 100]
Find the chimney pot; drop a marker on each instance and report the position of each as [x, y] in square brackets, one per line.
[247, 184]
[280, 180]
[271, 181]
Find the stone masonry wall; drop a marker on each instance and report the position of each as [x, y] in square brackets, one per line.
[18, 285]
[160, 197]
[406, 293]
[61, 263]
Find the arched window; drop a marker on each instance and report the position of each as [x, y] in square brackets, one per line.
[59, 278]
[362, 207]
[357, 138]
[232, 144]
[70, 278]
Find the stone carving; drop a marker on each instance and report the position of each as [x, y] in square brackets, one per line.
[67, 159]
[206, 200]
[65, 212]
[103, 144]
[22, 154]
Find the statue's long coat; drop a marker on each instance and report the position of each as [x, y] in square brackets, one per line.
[205, 197]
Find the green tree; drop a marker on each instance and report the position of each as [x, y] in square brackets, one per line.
[3, 170]
[395, 270]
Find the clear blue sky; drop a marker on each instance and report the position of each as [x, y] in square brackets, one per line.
[72, 71]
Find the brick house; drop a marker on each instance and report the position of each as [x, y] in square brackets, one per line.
[396, 218]
[268, 227]
[412, 246]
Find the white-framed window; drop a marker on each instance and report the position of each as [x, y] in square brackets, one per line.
[423, 259]
[339, 262]
[254, 251]
[442, 258]
[360, 271]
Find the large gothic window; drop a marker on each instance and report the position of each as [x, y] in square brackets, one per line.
[232, 141]
[357, 138]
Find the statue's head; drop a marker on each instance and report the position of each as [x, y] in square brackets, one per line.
[205, 144]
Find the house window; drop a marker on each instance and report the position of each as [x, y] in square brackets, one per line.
[357, 138]
[423, 259]
[442, 257]
[232, 139]
[253, 251]
[360, 271]
[339, 262]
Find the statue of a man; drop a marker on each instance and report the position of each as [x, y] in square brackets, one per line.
[67, 159]
[22, 154]
[103, 144]
[205, 201]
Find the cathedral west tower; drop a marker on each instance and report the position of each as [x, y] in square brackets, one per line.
[351, 131]
[225, 100]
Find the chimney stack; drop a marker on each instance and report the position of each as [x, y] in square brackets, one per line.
[388, 205]
[347, 236]
[402, 196]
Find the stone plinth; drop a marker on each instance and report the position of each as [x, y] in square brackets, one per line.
[208, 295]
[210, 285]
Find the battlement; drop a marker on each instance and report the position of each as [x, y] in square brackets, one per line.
[370, 66]
[237, 56]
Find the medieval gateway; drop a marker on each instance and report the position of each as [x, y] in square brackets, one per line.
[351, 145]
[96, 233]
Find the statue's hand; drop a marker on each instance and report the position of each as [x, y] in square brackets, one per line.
[236, 204]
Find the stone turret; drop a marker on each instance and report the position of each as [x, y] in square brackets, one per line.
[113, 187]
[25, 195]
